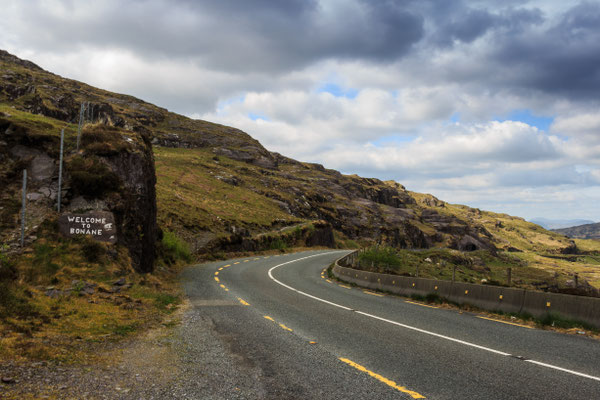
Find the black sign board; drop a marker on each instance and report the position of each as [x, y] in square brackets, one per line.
[100, 225]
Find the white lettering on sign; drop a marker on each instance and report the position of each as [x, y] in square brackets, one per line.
[99, 225]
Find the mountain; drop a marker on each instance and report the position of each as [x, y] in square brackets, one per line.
[181, 190]
[559, 223]
[587, 231]
[219, 190]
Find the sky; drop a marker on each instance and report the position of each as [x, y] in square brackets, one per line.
[493, 104]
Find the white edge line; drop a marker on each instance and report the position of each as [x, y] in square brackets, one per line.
[564, 370]
[270, 273]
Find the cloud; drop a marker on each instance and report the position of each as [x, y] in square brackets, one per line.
[406, 90]
[585, 125]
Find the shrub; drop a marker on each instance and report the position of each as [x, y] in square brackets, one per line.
[43, 255]
[175, 249]
[278, 244]
[92, 178]
[380, 256]
[93, 251]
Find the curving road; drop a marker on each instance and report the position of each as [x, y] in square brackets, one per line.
[302, 336]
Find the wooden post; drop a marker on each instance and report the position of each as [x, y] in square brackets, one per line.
[60, 163]
[81, 116]
[24, 197]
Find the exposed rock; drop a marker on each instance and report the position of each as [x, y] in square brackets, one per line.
[120, 282]
[34, 196]
[81, 204]
[469, 243]
[570, 249]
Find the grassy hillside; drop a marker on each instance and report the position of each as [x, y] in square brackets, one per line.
[587, 231]
[218, 192]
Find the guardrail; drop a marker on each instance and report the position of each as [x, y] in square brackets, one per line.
[492, 298]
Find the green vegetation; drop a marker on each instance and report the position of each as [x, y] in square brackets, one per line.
[472, 267]
[91, 177]
[174, 249]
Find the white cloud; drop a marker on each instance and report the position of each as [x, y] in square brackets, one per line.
[224, 62]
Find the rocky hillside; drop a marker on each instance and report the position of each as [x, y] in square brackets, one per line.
[587, 231]
[222, 191]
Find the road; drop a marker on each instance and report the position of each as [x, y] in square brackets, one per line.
[313, 338]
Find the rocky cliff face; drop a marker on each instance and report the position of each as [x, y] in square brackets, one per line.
[119, 137]
[113, 171]
[587, 231]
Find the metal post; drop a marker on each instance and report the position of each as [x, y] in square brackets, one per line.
[24, 207]
[60, 163]
[80, 124]
[508, 276]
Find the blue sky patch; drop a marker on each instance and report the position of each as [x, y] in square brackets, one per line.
[540, 122]
[392, 140]
[337, 90]
[256, 116]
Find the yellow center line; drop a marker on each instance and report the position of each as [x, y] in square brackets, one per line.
[237, 262]
[266, 257]
[285, 327]
[269, 318]
[228, 265]
[256, 259]
[372, 293]
[505, 322]
[344, 286]
[221, 269]
[216, 279]
[328, 281]
[380, 378]
[244, 303]
[217, 273]
[420, 304]
[246, 260]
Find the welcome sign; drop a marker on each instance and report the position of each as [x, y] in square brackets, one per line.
[100, 225]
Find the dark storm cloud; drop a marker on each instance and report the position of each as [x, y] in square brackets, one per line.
[564, 59]
[235, 35]
[521, 51]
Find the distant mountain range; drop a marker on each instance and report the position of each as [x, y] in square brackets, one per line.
[587, 231]
[560, 223]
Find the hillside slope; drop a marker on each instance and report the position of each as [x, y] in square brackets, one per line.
[587, 231]
[222, 191]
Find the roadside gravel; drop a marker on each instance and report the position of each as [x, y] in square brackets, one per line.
[189, 361]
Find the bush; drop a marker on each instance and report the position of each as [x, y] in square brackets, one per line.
[278, 244]
[93, 251]
[175, 249]
[43, 255]
[91, 177]
[380, 256]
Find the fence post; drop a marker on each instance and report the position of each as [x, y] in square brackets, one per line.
[508, 276]
[60, 163]
[24, 207]
[81, 110]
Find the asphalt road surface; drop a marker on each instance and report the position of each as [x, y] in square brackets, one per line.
[313, 338]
